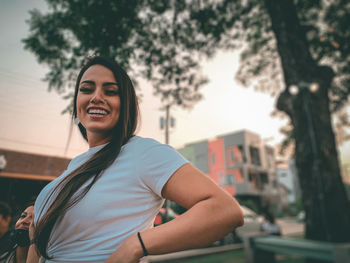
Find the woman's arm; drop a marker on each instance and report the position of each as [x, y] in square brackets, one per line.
[212, 213]
[21, 254]
[32, 256]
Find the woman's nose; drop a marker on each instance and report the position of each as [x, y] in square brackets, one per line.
[27, 221]
[97, 97]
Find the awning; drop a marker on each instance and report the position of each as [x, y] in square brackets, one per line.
[28, 176]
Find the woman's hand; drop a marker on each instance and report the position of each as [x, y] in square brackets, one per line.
[129, 252]
[31, 231]
[32, 256]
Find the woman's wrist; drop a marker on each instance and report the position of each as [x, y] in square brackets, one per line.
[132, 244]
[145, 252]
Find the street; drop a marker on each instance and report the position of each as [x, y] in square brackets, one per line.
[290, 226]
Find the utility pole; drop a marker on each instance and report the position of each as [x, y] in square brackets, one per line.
[166, 124]
[167, 108]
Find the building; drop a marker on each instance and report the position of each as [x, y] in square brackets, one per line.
[240, 163]
[23, 175]
[287, 176]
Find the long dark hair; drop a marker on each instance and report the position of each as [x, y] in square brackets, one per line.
[122, 132]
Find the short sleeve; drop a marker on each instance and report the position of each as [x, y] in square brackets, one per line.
[157, 165]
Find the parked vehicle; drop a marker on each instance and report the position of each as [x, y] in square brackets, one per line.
[252, 224]
[161, 216]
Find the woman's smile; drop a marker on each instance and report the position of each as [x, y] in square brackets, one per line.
[97, 112]
[98, 104]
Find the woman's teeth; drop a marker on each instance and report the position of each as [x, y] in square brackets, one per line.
[97, 111]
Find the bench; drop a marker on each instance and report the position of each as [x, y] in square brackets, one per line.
[262, 249]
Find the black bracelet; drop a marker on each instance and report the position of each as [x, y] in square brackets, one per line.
[31, 242]
[145, 253]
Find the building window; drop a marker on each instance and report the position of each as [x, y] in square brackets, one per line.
[221, 179]
[241, 149]
[255, 180]
[232, 155]
[239, 178]
[274, 184]
[264, 178]
[270, 157]
[255, 155]
[230, 179]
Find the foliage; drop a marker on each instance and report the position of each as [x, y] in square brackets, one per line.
[229, 23]
[141, 35]
[246, 24]
[163, 41]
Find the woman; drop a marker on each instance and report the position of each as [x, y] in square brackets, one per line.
[19, 239]
[102, 208]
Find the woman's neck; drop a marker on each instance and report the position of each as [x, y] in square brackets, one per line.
[95, 140]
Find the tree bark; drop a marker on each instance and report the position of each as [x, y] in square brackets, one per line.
[324, 198]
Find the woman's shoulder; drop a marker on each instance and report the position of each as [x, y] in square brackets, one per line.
[142, 143]
[146, 147]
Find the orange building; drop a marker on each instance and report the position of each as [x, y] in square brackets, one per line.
[240, 163]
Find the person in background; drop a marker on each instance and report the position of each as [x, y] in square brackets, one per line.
[269, 225]
[102, 208]
[19, 241]
[5, 220]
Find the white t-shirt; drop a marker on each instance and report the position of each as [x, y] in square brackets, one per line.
[124, 200]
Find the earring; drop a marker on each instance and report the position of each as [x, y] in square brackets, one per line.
[76, 121]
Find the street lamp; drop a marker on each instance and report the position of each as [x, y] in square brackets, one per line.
[305, 88]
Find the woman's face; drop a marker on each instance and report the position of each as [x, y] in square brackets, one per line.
[98, 103]
[25, 219]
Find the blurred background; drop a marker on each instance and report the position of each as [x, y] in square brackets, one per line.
[253, 93]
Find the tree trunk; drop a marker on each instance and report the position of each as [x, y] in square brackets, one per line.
[324, 198]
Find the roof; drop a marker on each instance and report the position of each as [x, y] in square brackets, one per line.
[23, 164]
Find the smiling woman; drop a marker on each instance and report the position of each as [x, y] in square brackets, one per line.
[102, 208]
[98, 104]
[20, 238]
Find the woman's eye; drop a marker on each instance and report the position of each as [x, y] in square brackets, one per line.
[112, 92]
[85, 89]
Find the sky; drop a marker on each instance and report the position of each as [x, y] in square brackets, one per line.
[31, 119]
